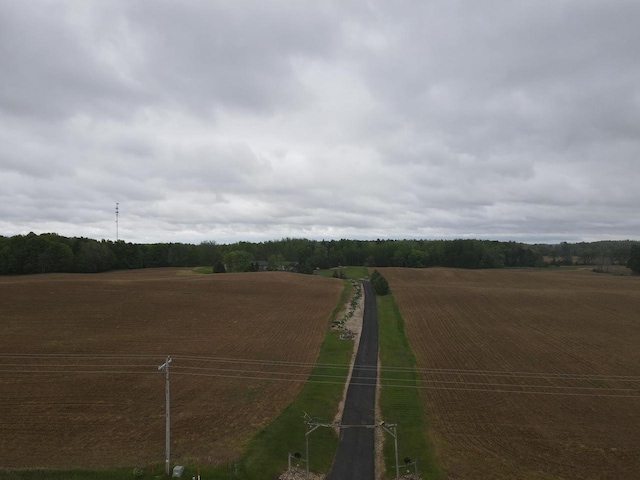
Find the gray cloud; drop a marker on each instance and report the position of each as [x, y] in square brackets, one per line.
[252, 120]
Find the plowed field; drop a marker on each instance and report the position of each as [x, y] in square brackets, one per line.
[527, 374]
[79, 384]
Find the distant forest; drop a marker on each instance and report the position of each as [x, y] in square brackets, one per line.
[46, 253]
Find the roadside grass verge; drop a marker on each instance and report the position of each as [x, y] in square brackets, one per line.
[357, 272]
[266, 455]
[346, 294]
[324, 272]
[402, 404]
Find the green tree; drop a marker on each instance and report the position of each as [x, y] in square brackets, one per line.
[182, 255]
[58, 257]
[128, 255]
[8, 262]
[238, 261]
[587, 256]
[276, 262]
[634, 258]
[566, 253]
[93, 257]
[491, 258]
[155, 255]
[379, 283]
[320, 257]
[209, 253]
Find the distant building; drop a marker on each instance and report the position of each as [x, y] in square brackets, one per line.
[260, 266]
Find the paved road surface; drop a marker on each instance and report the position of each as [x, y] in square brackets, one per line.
[355, 456]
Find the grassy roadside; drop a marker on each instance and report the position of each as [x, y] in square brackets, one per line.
[402, 405]
[266, 455]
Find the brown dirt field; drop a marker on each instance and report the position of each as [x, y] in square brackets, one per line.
[114, 416]
[568, 338]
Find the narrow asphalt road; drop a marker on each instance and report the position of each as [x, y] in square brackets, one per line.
[355, 458]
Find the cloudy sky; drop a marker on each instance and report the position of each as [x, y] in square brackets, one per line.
[258, 120]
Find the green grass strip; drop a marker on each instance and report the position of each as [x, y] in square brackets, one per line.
[402, 405]
[346, 293]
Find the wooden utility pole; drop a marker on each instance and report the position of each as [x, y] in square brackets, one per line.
[167, 415]
[392, 429]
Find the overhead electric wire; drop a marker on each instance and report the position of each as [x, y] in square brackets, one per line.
[77, 355]
[266, 375]
[541, 388]
[372, 384]
[439, 371]
[412, 386]
[258, 363]
[24, 365]
[73, 369]
[76, 372]
[179, 370]
[514, 375]
[392, 379]
[443, 371]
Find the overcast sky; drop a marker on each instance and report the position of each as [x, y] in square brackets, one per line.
[258, 120]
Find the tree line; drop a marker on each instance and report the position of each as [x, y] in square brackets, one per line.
[46, 253]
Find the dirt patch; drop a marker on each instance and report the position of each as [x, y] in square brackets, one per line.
[300, 474]
[353, 325]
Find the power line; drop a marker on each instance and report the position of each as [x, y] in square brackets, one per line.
[31, 368]
[265, 375]
[79, 355]
[244, 377]
[83, 365]
[385, 385]
[515, 375]
[75, 372]
[277, 363]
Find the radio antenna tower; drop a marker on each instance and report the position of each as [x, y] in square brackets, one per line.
[117, 213]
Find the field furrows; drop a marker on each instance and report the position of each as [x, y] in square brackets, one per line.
[527, 374]
[79, 384]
